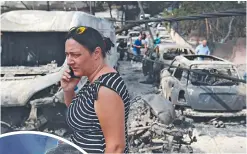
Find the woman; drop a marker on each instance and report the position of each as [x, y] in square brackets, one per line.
[99, 112]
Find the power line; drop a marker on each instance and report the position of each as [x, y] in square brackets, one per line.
[228, 13]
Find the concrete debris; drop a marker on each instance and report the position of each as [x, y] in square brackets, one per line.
[60, 132]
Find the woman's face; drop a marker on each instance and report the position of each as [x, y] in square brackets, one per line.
[78, 58]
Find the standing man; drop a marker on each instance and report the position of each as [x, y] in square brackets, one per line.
[202, 49]
[137, 47]
[149, 41]
[144, 43]
[122, 47]
[157, 41]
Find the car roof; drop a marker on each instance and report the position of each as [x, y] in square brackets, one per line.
[188, 60]
[134, 32]
[173, 45]
[122, 36]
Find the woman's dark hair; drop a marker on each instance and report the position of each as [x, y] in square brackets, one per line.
[144, 36]
[90, 38]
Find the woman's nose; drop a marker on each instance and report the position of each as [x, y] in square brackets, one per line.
[70, 60]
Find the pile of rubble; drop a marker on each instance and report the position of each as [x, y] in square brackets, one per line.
[156, 131]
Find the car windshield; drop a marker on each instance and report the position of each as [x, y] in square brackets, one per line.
[171, 53]
[32, 48]
[206, 79]
[134, 34]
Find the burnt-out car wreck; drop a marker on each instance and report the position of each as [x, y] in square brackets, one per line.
[203, 94]
[167, 52]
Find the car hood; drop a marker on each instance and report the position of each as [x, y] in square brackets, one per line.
[216, 98]
[18, 86]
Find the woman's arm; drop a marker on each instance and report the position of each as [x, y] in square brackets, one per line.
[110, 111]
[68, 96]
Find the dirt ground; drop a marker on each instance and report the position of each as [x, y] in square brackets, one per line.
[231, 139]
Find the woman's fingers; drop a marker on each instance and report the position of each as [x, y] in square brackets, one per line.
[65, 78]
[66, 73]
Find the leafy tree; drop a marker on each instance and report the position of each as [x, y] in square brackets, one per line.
[215, 29]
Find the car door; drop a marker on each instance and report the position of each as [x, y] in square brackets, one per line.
[176, 85]
[167, 80]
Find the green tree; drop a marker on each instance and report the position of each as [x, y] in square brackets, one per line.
[215, 29]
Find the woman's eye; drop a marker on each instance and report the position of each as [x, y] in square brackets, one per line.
[75, 55]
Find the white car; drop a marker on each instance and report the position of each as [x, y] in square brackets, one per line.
[133, 35]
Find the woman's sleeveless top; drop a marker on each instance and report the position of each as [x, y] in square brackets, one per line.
[81, 116]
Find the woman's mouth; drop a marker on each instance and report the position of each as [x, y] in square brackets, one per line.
[73, 68]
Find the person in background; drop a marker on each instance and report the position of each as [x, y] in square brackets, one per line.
[137, 47]
[157, 41]
[149, 41]
[144, 43]
[122, 47]
[144, 36]
[202, 49]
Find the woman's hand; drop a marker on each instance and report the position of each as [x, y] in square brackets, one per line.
[67, 83]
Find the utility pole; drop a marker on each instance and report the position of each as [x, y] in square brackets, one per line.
[48, 5]
[90, 6]
[146, 24]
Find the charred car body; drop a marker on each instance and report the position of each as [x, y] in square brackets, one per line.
[167, 52]
[201, 94]
[33, 61]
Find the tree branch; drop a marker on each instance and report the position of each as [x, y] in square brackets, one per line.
[25, 5]
[109, 5]
[75, 6]
[229, 30]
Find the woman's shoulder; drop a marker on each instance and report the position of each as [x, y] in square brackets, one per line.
[112, 81]
[110, 77]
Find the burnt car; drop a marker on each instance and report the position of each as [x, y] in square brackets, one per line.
[167, 52]
[33, 61]
[196, 87]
